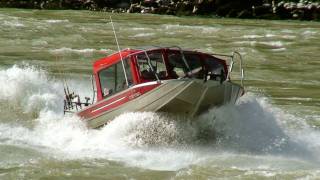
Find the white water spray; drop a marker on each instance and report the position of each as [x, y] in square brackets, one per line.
[29, 89]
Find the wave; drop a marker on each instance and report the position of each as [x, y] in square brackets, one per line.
[202, 29]
[273, 45]
[57, 21]
[87, 52]
[143, 35]
[13, 24]
[256, 36]
[140, 29]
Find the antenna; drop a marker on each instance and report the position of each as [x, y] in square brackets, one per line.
[115, 36]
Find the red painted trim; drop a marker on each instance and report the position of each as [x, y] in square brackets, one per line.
[99, 91]
[134, 70]
[115, 101]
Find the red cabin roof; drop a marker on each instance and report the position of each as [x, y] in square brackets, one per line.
[115, 58]
[112, 59]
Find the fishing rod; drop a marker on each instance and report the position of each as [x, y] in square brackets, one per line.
[119, 50]
[68, 105]
[71, 100]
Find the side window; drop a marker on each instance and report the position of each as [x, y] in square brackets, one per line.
[157, 65]
[112, 79]
[178, 66]
[107, 80]
[121, 79]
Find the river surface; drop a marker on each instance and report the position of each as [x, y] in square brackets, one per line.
[273, 132]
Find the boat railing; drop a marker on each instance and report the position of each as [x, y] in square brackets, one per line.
[233, 58]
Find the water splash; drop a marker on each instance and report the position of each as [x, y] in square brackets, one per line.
[141, 139]
[30, 89]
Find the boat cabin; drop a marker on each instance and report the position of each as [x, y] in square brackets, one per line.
[130, 67]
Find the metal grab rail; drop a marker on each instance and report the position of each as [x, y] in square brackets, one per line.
[151, 67]
[232, 57]
[240, 66]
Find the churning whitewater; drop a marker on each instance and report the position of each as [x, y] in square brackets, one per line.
[253, 133]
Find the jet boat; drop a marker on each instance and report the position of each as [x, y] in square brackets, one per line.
[159, 79]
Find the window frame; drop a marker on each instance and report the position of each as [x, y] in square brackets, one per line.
[155, 74]
[117, 66]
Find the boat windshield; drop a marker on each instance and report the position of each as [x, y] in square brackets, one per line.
[151, 65]
[215, 68]
[178, 67]
[112, 78]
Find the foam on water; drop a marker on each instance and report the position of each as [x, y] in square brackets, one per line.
[39, 43]
[56, 21]
[140, 29]
[253, 36]
[13, 24]
[143, 35]
[253, 130]
[270, 36]
[202, 29]
[86, 52]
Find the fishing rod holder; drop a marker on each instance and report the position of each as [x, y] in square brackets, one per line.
[72, 103]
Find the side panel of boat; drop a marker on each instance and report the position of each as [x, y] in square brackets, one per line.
[187, 97]
[199, 96]
[116, 100]
[150, 101]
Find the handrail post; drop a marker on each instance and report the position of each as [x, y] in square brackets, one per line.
[240, 66]
[230, 67]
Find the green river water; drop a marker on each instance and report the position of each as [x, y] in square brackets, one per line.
[273, 132]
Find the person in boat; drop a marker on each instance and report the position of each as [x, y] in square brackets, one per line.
[172, 72]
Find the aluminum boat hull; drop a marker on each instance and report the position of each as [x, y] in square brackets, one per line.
[189, 97]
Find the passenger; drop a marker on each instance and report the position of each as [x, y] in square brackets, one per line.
[148, 74]
[171, 72]
[162, 74]
[107, 92]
